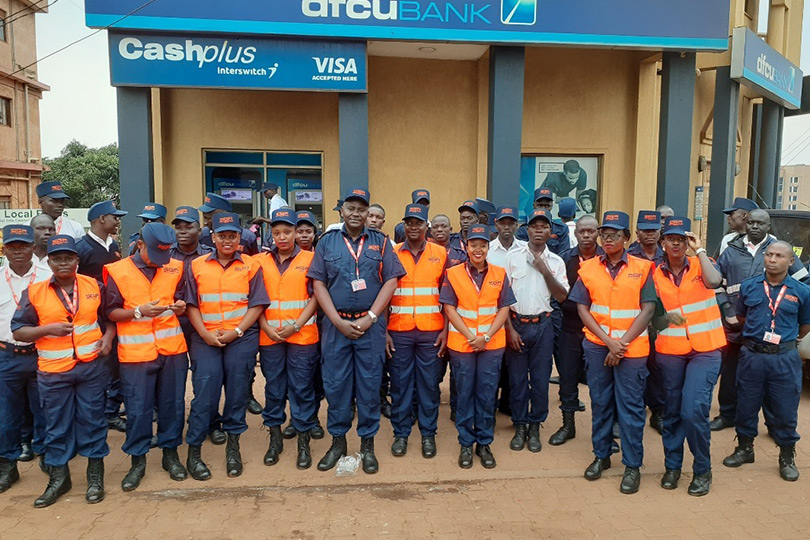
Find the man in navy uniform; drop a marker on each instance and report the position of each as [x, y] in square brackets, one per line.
[467, 215]
[152, 213]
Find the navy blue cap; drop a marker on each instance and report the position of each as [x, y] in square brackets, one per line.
[153, 211]
[567, 207]
[61, 242]
[226, 221]
[18, 233]
[51, 189]
[419, 194]
[485, 206]
[418, 211]
[478, 231]
[215, 202]
[338, 205]
[305, 216]
[469, 205]
[539, 213]
[615, 220]
[741, 203]
[648, 220]
[284, 215]
[158, 238]
[358, 194]
[677, 225]
[507, 212]
[104, 208]
[543, 193]
[269, 185]
[188, 214]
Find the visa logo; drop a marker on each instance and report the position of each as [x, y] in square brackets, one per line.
[519, 12]
[336, 66]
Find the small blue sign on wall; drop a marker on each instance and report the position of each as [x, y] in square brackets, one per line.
[236, 62]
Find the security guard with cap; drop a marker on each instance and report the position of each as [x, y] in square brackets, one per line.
[306, 230]
[467, 216]
[558, 242]
[152, 213]
[354, 274]
[51, 198]
[214, 204]
[418, 196]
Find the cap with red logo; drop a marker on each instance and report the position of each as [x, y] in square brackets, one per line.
[158, 238]
[18, 233]
[215, 202]
[284, 215]
[539, 214]
[615, 220]
[418, 211]
[104, 208]
[507, 212]
[470, 205]
[358, 194]
[226, 221]
[543, 193]
[480, 232]
[189, 214]
[648, 220]
[52, 189]
[153, 211]
[677, 225]
[420, 195]
[61, 242]
[305, 216]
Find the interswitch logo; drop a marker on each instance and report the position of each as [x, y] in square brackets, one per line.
[519, 12]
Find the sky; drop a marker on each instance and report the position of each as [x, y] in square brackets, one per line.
[81, 103]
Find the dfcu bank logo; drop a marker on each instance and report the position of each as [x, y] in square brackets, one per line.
[786, 81]
[519, 12]
[447, 11]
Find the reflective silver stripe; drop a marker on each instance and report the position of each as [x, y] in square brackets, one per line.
[88, 349]
[403, 291]
[167, 313]
[487, 311]
[235, 314]
[84, 328]
[453, 329]
[699, 306]
[705, 327]
[427, 310]
[294, 304]
[605, 328]
[619, 334]
[483, 329]
[731, 289]
[209, 298]
[425, 291]
[624, 313]
[673, 332]
[466, 313]
[273, 304]
[600, 310]
[56, 355]
[169, 332]
[211, 317]
[800, 274]
[234, 297]
[273, 323]
[311, 321]
[402, 310]
[135, 340]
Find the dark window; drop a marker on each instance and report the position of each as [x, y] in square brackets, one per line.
[5, 111]
[2, 25]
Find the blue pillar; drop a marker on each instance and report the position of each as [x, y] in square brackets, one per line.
[506, 73]
[675, 135]
[136, 166]
[353, 130]
[772, 117]
[753, 160]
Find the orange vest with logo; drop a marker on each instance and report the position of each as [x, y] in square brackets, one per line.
[477, 309]
[288, 297]
[223, 293]
[703, 331]
[615, 303]
[60, 354]
[415, 303]
[142, 340]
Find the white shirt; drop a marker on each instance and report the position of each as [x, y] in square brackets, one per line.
[104, 243]
[532, 293]
[10, 296]
[752, 248]
[276, 202]
[65, 225]
[334, 226]
[726, 239]
[572, 239]
[41, 264]
[497, 253]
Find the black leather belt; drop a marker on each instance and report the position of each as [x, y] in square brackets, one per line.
[529, 319]
[352, 315]
[769, 348]
[17, 349]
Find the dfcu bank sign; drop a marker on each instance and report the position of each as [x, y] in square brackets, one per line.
[651, 24]
[236, 62]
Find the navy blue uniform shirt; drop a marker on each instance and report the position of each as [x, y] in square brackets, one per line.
[93, 256]
[505, 298]
[186, 258]
[793, 311]
[636, 251]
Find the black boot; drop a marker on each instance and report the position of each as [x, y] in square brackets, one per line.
[26, 453]
[136, 471]
[335, 452]
[233, 457]
[631, 480]
[519, 440]
[289, 431]
[58, 484]
[9, 474]
[671, 478]
[787, 463]
[701, 483]
[171, 464]
[195, 465]
[42, 466]
[95, 480]
[428, 446]
[317, 432]
[217, 436]
[253, 406]
[485, 453]
[276, 446]
[465, 459]
[657, 421]
[719, 423]
[594, 470]
[534, 438]
[567, 431]
[370, 465]
[744, 453]
[400, 446]
[304, 460]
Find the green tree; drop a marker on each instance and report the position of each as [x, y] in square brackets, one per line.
[88, 175]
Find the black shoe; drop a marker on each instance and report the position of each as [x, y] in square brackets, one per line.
[153, 442]
[9, 475]
[95, 480]
[253, 406]
[385, 408]
[304, 460]
[485, 453]
[719, 423]
[370, 465]
[535, 445]
[58, 484]
[787, 463]
[554, 380]
[700, 484]
[171, 464]
[594, 470]
[670, 479]
[335, 452]
[276, 446]
[428, 447]
[615, 448]
[26, 454]
[137, 471]
[217, 436]
[465, 459]
[289, 431]
[631, 480]
[400, 446]
[657, 422]
[317, 432]
[117, 423]
[744, 453]
[195, 465]
[233, 457]
[581, 407]
[519, 440]
[567, 431]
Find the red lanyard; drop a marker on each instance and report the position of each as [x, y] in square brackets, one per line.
[475, 284]
[356, 256]
[30, 281]
[773, 306]
[73, 306]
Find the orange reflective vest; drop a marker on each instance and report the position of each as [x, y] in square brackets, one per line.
[477, 309]
[223, 293]
[60, 354]
[615, 303]
[415, 303]
[142, 340]
[703, 331]
[288, 297]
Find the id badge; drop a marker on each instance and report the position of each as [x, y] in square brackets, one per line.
[358, 285]
[771, 337]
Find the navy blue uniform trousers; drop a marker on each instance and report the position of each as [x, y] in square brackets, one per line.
[160, 383]
[617, 393]
[415, 367]
[289, 371]
[688, 387]
[18, 388]
[571, 367]
[215, 368]
[529, 371]
[477, 376]
[655, 391]
[72, 403]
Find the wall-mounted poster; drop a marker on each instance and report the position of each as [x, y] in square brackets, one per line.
[575, 177]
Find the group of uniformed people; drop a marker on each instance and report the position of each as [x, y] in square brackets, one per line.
[83, 330]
